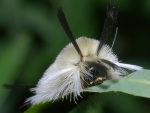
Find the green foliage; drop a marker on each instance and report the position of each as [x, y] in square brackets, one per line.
[136, 84]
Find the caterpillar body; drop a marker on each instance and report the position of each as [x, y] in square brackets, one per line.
[82, 63]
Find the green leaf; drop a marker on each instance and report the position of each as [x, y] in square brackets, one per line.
[137, 84]
[52, 107]
[92, 104]
[39, 108]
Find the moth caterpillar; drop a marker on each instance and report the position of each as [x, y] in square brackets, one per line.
[82, 63]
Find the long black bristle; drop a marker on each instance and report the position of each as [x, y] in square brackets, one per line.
[64, 23]
[16, 86]
[111, 18]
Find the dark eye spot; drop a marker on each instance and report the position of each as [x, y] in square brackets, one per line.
[98, 72]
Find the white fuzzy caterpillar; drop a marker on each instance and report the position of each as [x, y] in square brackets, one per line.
[67, 74]
[83, 63]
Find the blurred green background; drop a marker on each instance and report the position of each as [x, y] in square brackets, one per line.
[31, 37]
